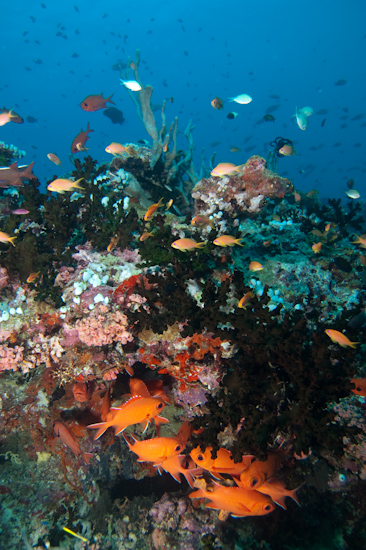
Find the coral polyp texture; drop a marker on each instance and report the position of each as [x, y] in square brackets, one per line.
[103, 324]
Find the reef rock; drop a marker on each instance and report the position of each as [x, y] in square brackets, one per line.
[239, 194]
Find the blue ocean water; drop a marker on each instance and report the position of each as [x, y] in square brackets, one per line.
[284, 54]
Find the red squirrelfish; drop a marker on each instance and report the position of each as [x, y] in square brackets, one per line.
[95, 103]
[137, 410]
[176, 466]
[67, 439]
[239, 502]
[260, 471]
[222, 464]
[79, 142]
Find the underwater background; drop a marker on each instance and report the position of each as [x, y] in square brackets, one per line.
[182, 259]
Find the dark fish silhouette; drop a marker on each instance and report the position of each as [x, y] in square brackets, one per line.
[114, 114]
[340, 82]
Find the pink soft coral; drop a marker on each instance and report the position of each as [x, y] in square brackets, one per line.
[98, 330]
[10, 358]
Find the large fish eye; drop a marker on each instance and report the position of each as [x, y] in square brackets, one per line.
[268, 507]
[160, 406]
[254, 481]
[178, 448]
[200, 457]
[85, 104]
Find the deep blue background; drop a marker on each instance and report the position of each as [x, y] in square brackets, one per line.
[294, 51]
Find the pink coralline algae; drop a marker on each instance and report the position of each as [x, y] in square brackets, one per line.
[247, 193]
[10, 357]
[4, 277]
[97, 330]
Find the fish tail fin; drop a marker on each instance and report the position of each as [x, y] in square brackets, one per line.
[87, 457]
[201, 245]
[12, 114]
[293, 494]
[88, 129]
[76, 184]
[109, 99]
[11, 239]
[101, 427]
[160, 203]
[352, 344]
[27, 174]
[238, 241]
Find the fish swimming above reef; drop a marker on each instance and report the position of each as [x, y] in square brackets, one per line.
[79, 141]
[94, 103]
[114, 115]
[228, 240]
[62, 185]
[13, 116]
[242, 99]
[352, 194]
[301, 119]
[132, 85]
[14, 175]
[6, 238]
[226, 169]
[152, 209]
[217, 103]
[187, 244]
[340, 338]
[137, 410]
[360, 240]
[54, 158]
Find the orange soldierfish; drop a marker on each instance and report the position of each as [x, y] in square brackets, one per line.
[80, 140]
[95, 103]
[157, 449]
[339, 338]
[152, 388]
[137, 410]
[175, 466]
[67, 439]
[152, 209]
[222, 464]
[278, 492]
[260, 471]
[360, 386]
[236, 500]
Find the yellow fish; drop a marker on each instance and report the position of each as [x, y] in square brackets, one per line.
[339, 338]
[5, 238]
[187, 244]
[62, 185]
[227, 240]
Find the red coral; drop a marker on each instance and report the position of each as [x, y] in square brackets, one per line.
[125, 288]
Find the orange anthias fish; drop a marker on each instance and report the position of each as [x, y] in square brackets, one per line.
[95, 103]
[152, 209]
[245, 300]
[260, 471]
[187, 244]
[360, 240]
[226, 169]
[255, 266]
[360, 386]
[67, 439]
[339, 338]
[33, 276]
[316, 248]
[5, 238]
[157, 449]
[202, 221]
[236, 500]
[117, 149]
[54, 158]
[137, 410]
[78, 143]
[227, 240]
[146, 235]
[222, 464]
[62, 185]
